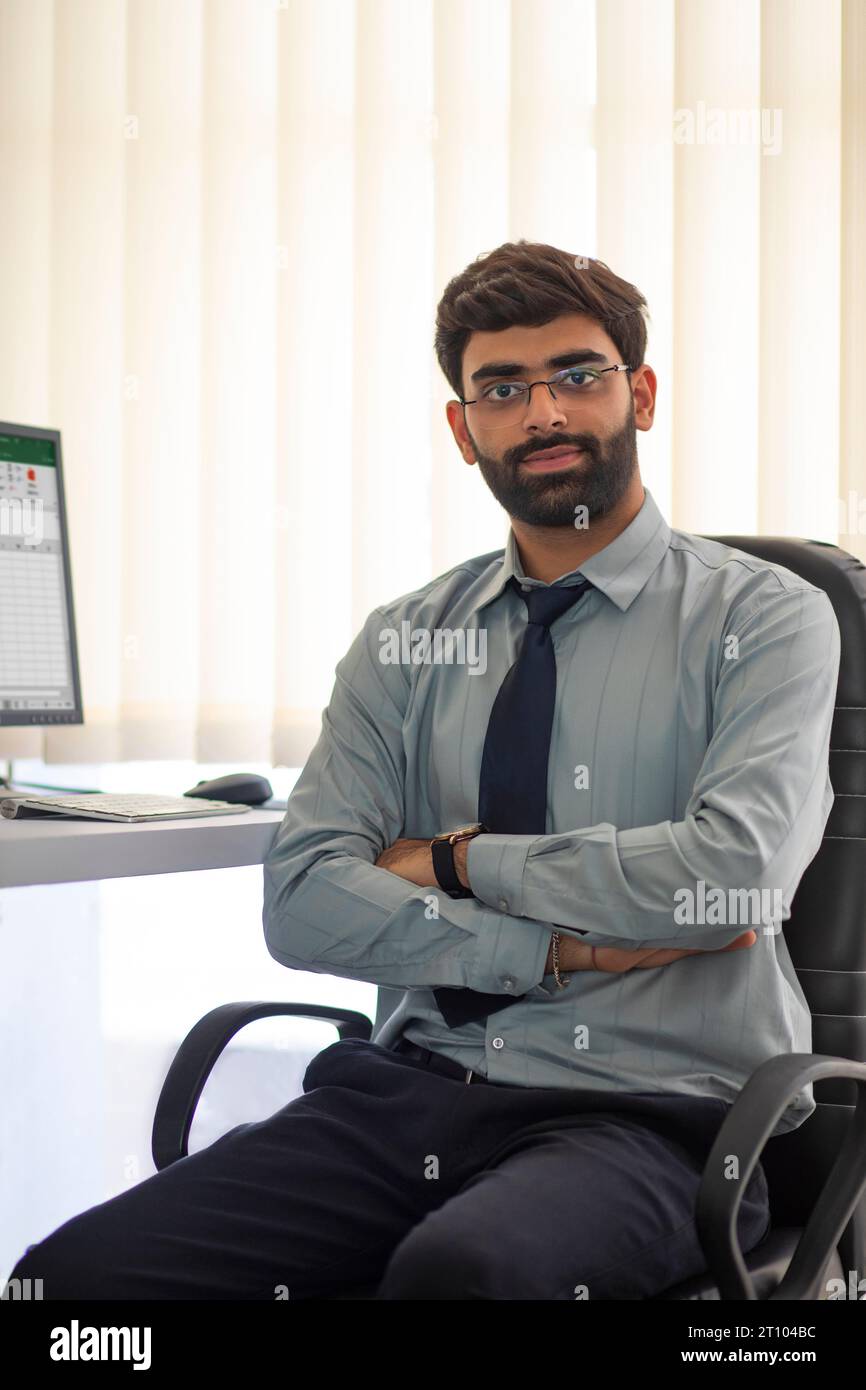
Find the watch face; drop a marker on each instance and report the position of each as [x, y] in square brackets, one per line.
[451, 836]
[466, 830]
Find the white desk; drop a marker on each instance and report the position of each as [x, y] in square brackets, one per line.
[62, 850]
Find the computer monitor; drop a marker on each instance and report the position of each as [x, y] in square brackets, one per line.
[39, 681]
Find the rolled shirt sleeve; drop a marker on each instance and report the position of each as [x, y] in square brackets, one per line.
[755, 818]
[327, 908]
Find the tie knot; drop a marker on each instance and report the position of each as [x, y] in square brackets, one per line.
[544, 606]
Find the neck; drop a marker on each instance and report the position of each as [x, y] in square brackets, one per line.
[548, 552]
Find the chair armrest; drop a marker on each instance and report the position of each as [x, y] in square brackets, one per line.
[195, 1058]
[744, 1132]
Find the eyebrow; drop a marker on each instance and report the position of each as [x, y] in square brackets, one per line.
[562, 359]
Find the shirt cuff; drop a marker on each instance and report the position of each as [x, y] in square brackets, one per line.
[511, 955]
[494, 867]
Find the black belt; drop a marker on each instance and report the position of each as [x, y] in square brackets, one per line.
[436, 1062]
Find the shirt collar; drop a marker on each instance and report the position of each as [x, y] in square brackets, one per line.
[620, 570]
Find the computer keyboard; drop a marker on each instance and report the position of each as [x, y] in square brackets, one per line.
[117, 806]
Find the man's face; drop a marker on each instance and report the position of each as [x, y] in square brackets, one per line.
[601, 425]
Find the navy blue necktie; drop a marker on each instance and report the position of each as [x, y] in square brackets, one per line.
[512, 797]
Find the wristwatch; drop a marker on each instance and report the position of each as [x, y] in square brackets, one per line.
[442, 848]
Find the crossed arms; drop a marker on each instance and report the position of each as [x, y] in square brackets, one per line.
[754, 820]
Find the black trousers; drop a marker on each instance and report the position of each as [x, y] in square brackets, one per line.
[385, 1172]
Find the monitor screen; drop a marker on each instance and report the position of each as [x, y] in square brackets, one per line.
[39, 681]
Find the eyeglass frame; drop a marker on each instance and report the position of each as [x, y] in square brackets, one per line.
[576, 367]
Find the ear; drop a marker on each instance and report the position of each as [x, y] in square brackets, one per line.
[454, 412]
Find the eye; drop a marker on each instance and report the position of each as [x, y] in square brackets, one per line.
[501, 386]
[586, 375]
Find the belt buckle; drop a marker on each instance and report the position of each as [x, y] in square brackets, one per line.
[469, 1075]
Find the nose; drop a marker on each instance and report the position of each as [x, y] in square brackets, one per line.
[542, 411]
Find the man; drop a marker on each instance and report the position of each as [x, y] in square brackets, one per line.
[639, 755]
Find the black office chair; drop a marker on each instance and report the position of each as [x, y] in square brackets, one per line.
[816, 1174]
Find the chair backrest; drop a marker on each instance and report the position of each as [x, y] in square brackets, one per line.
[825, 934]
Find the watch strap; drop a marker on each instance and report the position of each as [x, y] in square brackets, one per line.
[443, 868]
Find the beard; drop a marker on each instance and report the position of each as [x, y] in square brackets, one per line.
[597, 481]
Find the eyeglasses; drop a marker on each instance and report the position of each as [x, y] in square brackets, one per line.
[574, 385]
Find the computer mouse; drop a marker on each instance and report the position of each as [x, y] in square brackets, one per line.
[245, 788]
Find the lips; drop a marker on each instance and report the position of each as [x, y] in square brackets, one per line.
[552, 453]
[561, 457]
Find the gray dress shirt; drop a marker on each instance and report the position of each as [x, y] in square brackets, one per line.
[688, 789]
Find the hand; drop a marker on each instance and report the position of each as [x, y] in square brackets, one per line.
[412, 860]
[577, 955]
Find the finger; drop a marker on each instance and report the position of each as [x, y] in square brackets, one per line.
[747, 939]
[615, 959]
[667, 957]
[654, 958]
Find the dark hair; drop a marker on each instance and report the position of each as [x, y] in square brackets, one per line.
[530, 283]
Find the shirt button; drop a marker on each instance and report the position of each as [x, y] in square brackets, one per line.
[498, 1042]
[525, 588]
[508, 982]
[503, 903]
